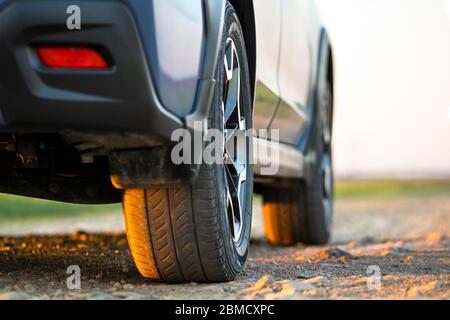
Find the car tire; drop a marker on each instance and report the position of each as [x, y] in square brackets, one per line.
[303, 210]
[192, 232]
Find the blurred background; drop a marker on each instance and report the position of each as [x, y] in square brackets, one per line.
[392, 115]
[393, 87]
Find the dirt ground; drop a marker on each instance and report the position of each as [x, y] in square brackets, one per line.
[404, 240]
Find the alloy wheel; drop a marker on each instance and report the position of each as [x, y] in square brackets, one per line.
[326, 161]
[235, 149]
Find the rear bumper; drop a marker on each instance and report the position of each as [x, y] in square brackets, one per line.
[121, 99]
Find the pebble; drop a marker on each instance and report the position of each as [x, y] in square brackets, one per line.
[435, 237]
[334, 253]
[426, 289]
[303, 276]
[298, 286]
[408, 259]
[58, 292]
[288, 290]
[315, 280]
[313, 292]
[342, 260]
[29, 288]
[264, 282]
[101, 296]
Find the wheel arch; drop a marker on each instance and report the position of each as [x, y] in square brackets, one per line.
[330, 71]
[325, 65]
[214, 12]
[246, 15]
[331, 65]
[324, 72]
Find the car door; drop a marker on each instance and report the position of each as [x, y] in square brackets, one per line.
[268, 30]
[294, 73]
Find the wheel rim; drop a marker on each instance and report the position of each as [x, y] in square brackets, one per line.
[326, 162]
[327, 115]
[235, 144]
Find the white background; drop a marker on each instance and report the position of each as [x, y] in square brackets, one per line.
[392, 86]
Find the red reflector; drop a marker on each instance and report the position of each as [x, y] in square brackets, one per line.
[71, 57]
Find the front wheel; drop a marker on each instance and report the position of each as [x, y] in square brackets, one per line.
[201, 232]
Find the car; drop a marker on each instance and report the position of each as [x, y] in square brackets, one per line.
[92, 94]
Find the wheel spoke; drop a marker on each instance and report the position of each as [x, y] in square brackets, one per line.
[232, 111]
[232, 85]
[327, 113]
[229, 59]
[232, 188]
[235, 150]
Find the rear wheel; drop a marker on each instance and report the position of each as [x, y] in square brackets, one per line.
[303, 211]
[201, 232]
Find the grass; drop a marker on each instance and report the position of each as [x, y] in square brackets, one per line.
[390, 189]
[15, 208]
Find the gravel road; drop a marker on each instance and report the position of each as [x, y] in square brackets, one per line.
[404, 240]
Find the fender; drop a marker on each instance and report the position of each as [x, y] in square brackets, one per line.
[214, 20]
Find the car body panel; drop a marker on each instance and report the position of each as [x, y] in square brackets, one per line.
[286, 69]
[294, 73]
[179, 44]
[267, 48]
[298, 49]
